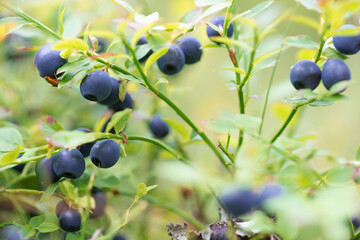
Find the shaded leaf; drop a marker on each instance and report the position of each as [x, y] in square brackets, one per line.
[48, 126]
[155, 56]
[10, 138]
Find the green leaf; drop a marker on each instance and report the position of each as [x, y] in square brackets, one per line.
[141, 190]
[130, 78]
[339, 87]
[29, 19]
[9, 157]
[160, 81]
[122, 90]
[124, 5]
[311, 5]
[72, 236]
[211, 10]
[28, 231]
[72, 44]
[10, 138]
[142, 50]
[257, 9]
[71, 66]
[248, 123]
[357, 156]
[71, 139]
[322, 102]
[37, 221]
[301, 41]
[60, 18]
[48, 126]
[178, 127]
[296, 176]
[48, 227]
[155, 56]
[118, 121]
[106, 182]
[49, 191]
[340, 174]
[204, 3]
[69, 190]
[222, 125]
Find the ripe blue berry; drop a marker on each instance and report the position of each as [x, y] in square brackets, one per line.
[119, 237]
[100, 203]
[305, 74]
[69, 164]
[239, 201]
[70, 220]
[86, 147]
[105, 153]
[143, 41]
[11, 232]
[191, 48]
[114, 94]
[218, 21]
[96, 86]
[173, 61]
[121, 105]
[268, 192]
[347, 44]
[159, 127]
[45, 172]
[48, 61]
[334, 71]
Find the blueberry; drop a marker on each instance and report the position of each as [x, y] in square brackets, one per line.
[105, 153]
[347, 44]
[119, 237]
[268, 192]
[69, 164]
[20, 167]
[239, 201]
[96, 86]
[48, 61]
[218, 21]
[334, 71]
[70, 220]
[159, 127]
[11, 232]
[100, 203]
[143, 41]
[114, 94]
[45, 172]
[12, 44]
[172, 61]
[191, 48]
[101, 45]
[355, 222]
[61, 206]
[122, 105]
[305, 74]
[86, 147]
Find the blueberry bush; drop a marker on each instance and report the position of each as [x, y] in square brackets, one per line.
[122, 120]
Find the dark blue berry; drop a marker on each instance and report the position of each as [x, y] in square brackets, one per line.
[143, 41]
[218, 21]
[173, 61]
[347, 44]
[70, 220]
[239, 201]
[11, 232]
[48, 61]
[305, 74]
[45, 172]
[268, 192]
[96, 86]
[69, 164]
[159, 127]
[86, 147]
[105, 153]
[119, 237]
[100, 203]
[19, 167]
[334, 71]
[122, 105]
[355, 222]
[114, 94]
[191, 48]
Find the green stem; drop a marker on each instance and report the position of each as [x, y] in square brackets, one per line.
[30, 20]
[173, 106]
[169, 207]
[160, 144]
[356, 236]
[273, 72]
[286, 123]
[226, 152]
[322, 42]
[28, 191]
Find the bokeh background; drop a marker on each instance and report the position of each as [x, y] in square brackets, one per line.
[200, 90]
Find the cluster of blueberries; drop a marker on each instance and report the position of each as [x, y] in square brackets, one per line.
[307, 74]
[243, 200]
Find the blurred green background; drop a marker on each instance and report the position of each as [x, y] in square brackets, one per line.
[200, 89]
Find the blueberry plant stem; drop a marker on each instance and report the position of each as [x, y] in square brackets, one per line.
[286, 123]
[322, 42]
[28, 191]
[174, 106]
[274, 70]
